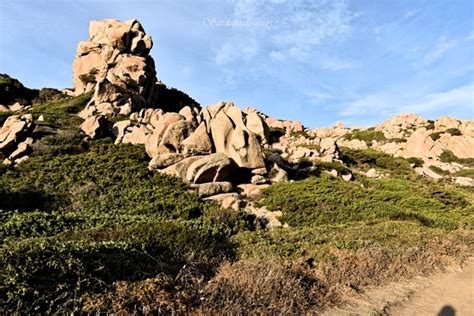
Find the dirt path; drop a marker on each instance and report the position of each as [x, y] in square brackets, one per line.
[449, 293]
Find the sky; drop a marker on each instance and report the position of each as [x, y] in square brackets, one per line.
[316, 61]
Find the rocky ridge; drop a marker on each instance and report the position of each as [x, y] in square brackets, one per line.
[226, 153]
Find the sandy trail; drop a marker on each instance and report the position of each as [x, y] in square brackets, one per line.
[446, 294]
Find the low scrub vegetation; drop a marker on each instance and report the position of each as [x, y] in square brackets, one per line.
[368, 136]
[449, 156]
[86, 228]
[369, 158]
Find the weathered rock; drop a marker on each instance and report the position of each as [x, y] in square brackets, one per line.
[165, 160]
[95, 126]
[372, 173]
[346, 176]
[445, 122]
[427, 172]
[236, 142]
[115, 64]
[14, 130]
[198, 142]
[328, 149]
[252, 192]
[212, 188]
[21, 150]
[180, 169]
[421, 145]
[152, 145]
[175, 134]
[266, 218]
[258, 179]
[212, 168]
[461, 146]
[137, 135]
[119, 129]
[277, 174]
[257, 125]
[188, 113]
[227, 200]
[464, 181]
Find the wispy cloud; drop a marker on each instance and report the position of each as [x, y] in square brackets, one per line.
[387, 104]
[409, 14]
[442, 46]
[294, 29]
[461, 98]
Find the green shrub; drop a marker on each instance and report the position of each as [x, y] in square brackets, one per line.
[416, 162]
[451, 131]
[454, 132]
[439, 171]
[366, 135]
[430, 125]
[322, 165]
[370, 158]
[449, 156]
[465, 173]
[48, 275]
[89, 77]
[397, 140]
[323, 201]
[310, 146]
[436, 136]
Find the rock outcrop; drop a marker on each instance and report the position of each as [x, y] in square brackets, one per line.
[15, 139]
[115, 64]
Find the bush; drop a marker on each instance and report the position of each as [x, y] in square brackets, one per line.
[416, 162]
[323, 201]
[454, 132]
[48, 275]
[366, 135]
[465, 173]
[451, 131]
[449, 156]
[370, 158]
[439, 171]
[430, 125]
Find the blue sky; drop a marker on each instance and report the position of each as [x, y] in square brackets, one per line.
[359, 61]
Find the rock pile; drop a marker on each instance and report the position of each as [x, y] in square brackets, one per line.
[115, 64]
[15, 140]
[173, 140]
[15, 107]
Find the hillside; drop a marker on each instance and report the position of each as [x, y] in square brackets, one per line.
[122, 195]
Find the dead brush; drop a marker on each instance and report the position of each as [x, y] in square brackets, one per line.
[251, 288]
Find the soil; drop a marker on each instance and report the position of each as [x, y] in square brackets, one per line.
[448, 293]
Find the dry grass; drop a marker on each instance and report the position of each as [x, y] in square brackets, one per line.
[253, 287]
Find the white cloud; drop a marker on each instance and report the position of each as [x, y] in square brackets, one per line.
[442, 46]
[233, 49]
[388, 104]
[409, 14]
[296, 29]
[461, 97]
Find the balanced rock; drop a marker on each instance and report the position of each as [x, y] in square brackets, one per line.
[115, 64]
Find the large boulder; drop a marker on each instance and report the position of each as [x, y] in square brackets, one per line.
[115, 64]
[153, 142]
[421, 145]
[95, 126]
[212, 168]
[198, 142]
[232, 138]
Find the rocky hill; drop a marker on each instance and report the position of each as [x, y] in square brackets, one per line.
[278, 172]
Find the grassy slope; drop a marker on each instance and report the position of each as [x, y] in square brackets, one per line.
[86, 226]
